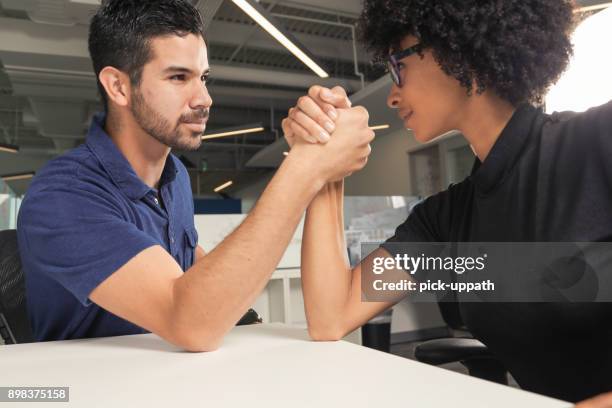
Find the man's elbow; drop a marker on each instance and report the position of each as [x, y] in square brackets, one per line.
[201, 347]
[196, 343]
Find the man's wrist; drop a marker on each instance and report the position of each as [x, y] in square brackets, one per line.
[301, 160]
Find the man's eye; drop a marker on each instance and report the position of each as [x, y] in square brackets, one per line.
[177, 77]
[205, 78]
[401, 65]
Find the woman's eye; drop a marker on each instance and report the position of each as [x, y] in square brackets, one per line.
[401, 65]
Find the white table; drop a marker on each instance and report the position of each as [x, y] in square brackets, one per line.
[257, 366]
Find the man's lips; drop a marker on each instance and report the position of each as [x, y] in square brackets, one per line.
[200, 122]
[197, 126]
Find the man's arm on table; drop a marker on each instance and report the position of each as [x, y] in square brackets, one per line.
[199, 253]
[197, 308]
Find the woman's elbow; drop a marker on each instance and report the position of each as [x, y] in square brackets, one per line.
[329, 333]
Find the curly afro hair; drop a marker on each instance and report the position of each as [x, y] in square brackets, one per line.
[516, 48]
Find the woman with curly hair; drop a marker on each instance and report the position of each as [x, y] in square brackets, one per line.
[480, 67]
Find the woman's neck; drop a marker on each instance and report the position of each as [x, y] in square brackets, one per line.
[485, 117]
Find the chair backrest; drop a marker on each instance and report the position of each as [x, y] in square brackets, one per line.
[450, 311]
[14, 321]
[451, 314]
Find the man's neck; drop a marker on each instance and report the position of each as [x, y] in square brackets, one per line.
[146, 155]
[483, 121]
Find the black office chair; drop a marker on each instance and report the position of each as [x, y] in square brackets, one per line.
[468, 351]
[14, 321]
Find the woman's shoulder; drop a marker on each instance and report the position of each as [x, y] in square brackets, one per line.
[594, 120]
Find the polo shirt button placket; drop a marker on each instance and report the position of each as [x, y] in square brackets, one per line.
[172, 240]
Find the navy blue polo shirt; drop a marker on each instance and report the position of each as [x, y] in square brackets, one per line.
[84, 216]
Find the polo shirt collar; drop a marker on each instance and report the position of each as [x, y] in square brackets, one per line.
[523, 125]
[117, 166]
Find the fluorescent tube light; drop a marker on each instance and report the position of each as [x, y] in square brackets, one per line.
[593, 7]
[223, 186]
[8, 148]
[379, 127]
[21, 176]
[257, 13]
[233, 133]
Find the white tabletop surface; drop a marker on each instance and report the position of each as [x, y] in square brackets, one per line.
[257, 366]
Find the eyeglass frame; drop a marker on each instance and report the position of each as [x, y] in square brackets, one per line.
[394, 59]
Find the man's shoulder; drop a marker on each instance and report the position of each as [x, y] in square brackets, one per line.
[65, 169]
[67, 181]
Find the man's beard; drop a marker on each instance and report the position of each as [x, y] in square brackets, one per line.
[160, 129]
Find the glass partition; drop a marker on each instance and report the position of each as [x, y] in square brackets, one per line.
[373, 219]
[9, 206]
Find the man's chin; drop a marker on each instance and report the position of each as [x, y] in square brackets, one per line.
[190, 147]
[188, 141]
[185, 146]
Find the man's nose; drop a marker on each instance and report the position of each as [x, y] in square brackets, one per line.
[202, 98]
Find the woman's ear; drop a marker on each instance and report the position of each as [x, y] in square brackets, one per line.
[116, 84]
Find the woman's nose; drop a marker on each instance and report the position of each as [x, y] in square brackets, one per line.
[393, 98]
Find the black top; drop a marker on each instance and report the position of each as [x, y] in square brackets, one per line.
[548, 178]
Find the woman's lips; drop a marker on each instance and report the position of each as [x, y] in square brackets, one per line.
[406, 117]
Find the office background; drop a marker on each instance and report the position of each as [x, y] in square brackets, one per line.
[48, 96]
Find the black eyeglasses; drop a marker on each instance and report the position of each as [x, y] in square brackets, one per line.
[393, 63]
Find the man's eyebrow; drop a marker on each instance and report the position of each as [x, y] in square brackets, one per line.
[174, 69]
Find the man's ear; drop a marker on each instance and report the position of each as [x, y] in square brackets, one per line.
[116, 84]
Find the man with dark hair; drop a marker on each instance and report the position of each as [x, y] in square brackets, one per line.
[106, 231]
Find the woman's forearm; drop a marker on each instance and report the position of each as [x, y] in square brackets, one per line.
[326, 274]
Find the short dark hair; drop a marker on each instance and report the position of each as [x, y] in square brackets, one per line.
[516, 48]
[121, 30]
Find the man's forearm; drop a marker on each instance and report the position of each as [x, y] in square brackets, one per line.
[217, 290]
[326, 274]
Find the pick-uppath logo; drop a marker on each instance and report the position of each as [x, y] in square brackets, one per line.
[487, 271]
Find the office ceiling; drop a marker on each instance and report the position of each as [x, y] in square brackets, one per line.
[48, 92]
